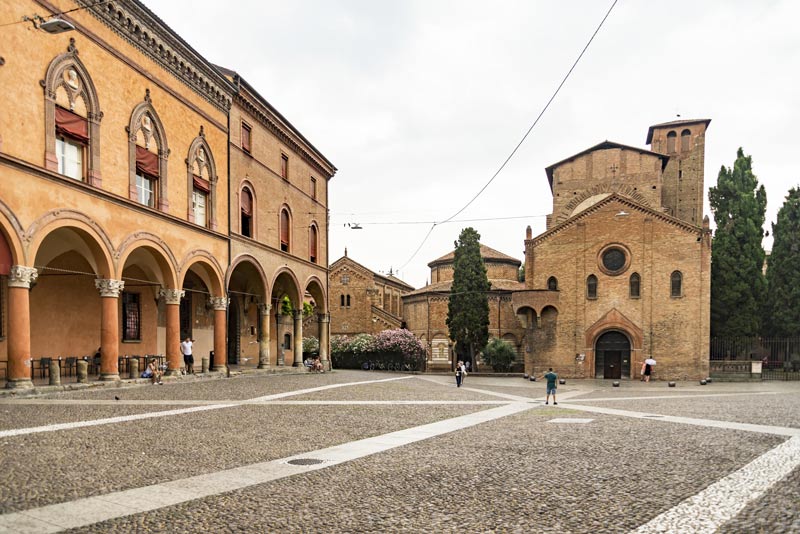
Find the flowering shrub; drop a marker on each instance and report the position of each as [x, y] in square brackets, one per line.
[361, 344]
[399, 341]
[339, 344]
[310, 345]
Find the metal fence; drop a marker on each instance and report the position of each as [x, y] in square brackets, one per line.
[779, 357]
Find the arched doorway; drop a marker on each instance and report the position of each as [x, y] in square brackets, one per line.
[612, 355]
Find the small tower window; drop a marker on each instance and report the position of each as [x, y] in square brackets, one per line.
[635, 286]
[676, 284]
[591, 287]
[686, 136]
[552, 284]
[246, 200]
[671, 137]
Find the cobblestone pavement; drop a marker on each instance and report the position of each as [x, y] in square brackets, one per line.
[416, 454]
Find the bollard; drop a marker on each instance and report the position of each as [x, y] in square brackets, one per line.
[615, 383]
[562, 381]
[55, 373]
[133, 367]
[671, 384]
[204, 365]
[82, 371]
[533, 378]
[703, 382]
[525, 376]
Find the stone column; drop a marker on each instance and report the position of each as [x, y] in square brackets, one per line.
[279, 336]
[298, 338]
[19, 327]
[220, 305]
[324, 339]
[263, 342]
[109, 327]
[172, 300]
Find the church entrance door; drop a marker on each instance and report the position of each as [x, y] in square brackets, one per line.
[612, 355]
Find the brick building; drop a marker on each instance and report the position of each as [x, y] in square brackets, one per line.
[622, 272]
[362, 301]
[117, 229]
[425, 310]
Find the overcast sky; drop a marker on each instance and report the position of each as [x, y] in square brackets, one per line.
[418, 103]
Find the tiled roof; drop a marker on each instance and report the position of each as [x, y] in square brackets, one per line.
[487, 253]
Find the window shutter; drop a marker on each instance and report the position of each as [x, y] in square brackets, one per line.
[247, 203]
[284, 228]
[71, 124]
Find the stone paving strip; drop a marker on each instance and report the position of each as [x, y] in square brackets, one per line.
[705, 512]
[179, 411]
[81, 512]
[764, 429]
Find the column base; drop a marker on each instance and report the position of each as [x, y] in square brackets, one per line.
[172, 372]
[297, 364]
[263, 365]
[108, 377]
[219, 369]
[19, 383]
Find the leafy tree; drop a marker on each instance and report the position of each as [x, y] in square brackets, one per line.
[783, 271]
[738, 286]
[499, 354]
[468, 308]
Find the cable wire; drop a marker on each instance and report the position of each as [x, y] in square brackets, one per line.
[513, 152]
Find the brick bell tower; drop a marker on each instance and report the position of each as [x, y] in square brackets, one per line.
[684, 141]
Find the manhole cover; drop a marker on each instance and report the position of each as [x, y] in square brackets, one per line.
[305, 461]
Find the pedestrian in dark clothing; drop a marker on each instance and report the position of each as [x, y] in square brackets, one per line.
[551, 378]
[458, 375]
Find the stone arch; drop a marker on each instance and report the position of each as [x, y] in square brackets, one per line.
[205, 266]
[316, 288]
[527, 316]
[613, 320]
[77, 85]
[97, 245]
[146, 121]
[11, 230]
[201, 173]
[601, 191]
[161, 255]
[247, 258]
[283, 282]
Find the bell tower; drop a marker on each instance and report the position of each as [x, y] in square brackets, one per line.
[682, 191]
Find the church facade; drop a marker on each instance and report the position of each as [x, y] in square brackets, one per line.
[622, 272]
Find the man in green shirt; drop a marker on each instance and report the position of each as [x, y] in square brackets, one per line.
[551, 378]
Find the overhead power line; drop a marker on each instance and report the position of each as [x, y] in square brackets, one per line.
[513, 152]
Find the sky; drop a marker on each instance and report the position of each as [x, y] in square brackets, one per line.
[419, 102]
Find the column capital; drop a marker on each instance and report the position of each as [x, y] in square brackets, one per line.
[109, 287]
[171, 296]
[298, 314]
[265, 308]
[324, 317]
[219, 303]
[21, 276]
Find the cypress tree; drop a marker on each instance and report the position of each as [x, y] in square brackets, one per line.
[468, 308]
[783, 271]
[738, 285]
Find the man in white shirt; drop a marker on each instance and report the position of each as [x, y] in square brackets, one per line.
[188, 359]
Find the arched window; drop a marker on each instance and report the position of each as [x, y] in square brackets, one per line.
[312, 243]
[676, 283]
[671, 137]
[201, 182]
[348, 301]
[686, 136]
[635, 283]
[287, 341]
[72, 119]
[341, 301]
[285, 222]
[591, 287]
[552, 284]
[147, 157]
[246, 209]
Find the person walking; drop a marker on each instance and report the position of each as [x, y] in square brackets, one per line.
[188, 358]
[647, 369]
[551, 378]
[463, 372]
[459, 375]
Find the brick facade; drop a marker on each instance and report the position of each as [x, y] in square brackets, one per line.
[623, 254]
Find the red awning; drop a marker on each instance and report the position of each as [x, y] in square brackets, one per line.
[146, 162]
[71, 124]
[201, 184]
